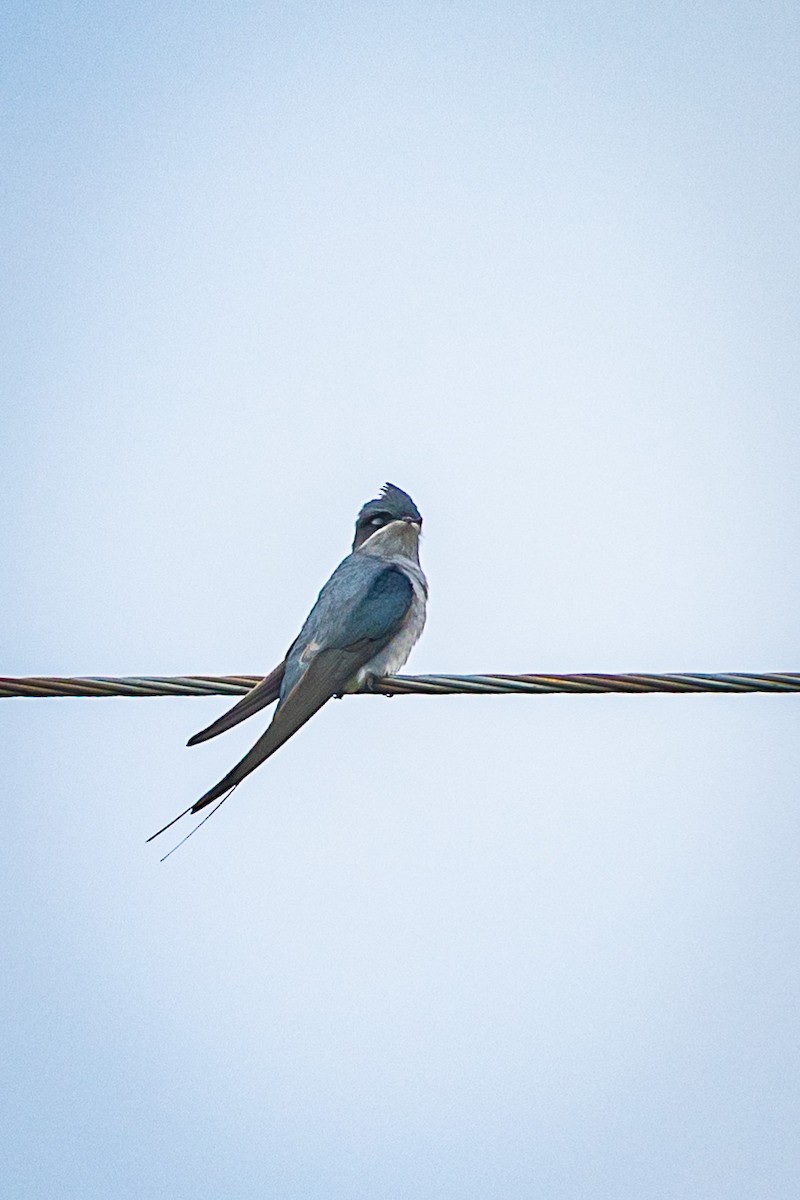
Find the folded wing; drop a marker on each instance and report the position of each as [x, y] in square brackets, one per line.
[363, 628]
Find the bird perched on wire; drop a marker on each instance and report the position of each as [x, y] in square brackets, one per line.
[364, 624]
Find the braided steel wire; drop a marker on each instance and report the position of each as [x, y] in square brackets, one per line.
[405, 685]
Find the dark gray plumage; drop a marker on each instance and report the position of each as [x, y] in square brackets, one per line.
[365, 621]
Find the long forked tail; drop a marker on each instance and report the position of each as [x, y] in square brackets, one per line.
[325, 677]
[192, 831]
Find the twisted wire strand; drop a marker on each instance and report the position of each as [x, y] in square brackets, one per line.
[407, 685]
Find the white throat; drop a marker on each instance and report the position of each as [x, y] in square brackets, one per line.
[398, 539]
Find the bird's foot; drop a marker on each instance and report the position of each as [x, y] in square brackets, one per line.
[372, 683]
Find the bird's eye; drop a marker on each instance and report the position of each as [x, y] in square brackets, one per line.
[378, 519]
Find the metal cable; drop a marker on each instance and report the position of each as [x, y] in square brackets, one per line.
[404, 685]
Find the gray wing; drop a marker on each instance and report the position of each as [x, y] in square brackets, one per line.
[258, 697]
[329, 610]
[365, 598]
[359, 634]
[370, 608]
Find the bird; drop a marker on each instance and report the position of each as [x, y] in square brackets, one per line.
[364, 624]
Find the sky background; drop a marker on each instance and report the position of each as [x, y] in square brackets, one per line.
[537, 264]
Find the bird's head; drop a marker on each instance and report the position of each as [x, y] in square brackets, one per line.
[393, 516]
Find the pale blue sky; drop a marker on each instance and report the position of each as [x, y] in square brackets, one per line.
[537, 264]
